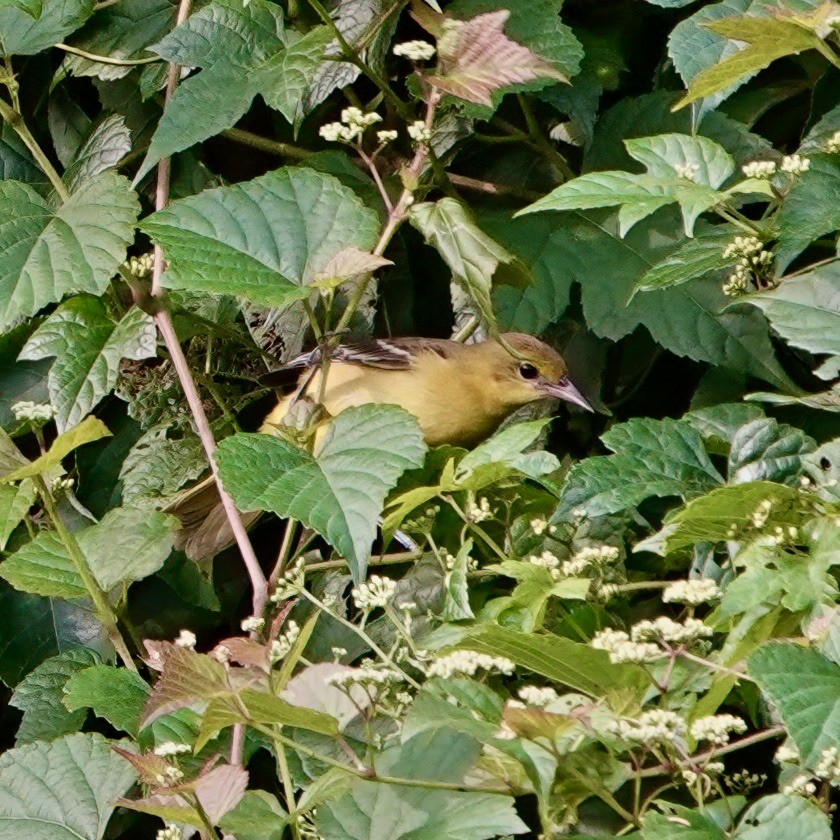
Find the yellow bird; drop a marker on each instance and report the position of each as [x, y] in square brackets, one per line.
[459, 394]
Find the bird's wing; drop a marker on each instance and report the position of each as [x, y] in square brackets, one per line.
[386, 354]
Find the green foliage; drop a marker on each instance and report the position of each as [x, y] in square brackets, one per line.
[588, 624]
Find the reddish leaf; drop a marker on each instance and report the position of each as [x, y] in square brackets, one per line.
[220, 790]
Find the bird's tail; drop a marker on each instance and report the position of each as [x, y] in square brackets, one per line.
[205, 530]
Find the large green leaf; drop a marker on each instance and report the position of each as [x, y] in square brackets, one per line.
[805, 688]
[123, 30]
[652, 458]
[39, 696]
[765, 450]
[263, 240]
[28, 27]
[339, 493]
[777, 816]
[116, 694]
[46, 253]
[88, 346]
[766, 38]
[811, 208]
[242, 50]
[15, 501]
[61, 790]
[577, 665]
[679, 168]
[805, 310]
[44, 567]
[418, 813]
[107, 144]
[681, 823]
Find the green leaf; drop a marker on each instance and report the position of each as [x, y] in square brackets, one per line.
[258, 816]
[680, 823]
[124, 31]
[710, 517]
[116, 694]
[472, 256]
[35, 628]
[48, 253]
[88, 346]
[339, 493]
[263, 240]
[456, 606]
[39, 696]
[573, 664]
[693, 259]
[638, 196]
[19, 381]
[15, 160]
[243, 50]
[777, 815]
[653, 458]
[417, 813]
[767, 450]
[61, 790]
[805, 310]
[15, 501]
[805, 688]
[811, 208]
[767, 39]
[28, 27]
[718, 424]
[107, 144]
[44, 567]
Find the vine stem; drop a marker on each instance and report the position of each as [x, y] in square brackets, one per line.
[104, 610]
[163, 320]
[107, 59]
[15, 121]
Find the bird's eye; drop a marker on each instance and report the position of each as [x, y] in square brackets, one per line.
[528, 371]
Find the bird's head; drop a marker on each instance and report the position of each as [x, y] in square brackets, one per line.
[527, 369]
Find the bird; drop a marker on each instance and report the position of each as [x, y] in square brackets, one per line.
[458, 392]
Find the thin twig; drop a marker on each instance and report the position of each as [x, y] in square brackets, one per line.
[264, 144]
[107, 59]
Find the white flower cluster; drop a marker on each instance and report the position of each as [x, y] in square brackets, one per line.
[171, 832]
[621, 649]
[290, 584]
[281, 646]
[590, 560]
[535, 696]
[760, 515]
[687, 171]
[692, 592]
[795, 165]
[670, 632]
[832, 145]
[828, 767]
[761, 169]
[418, 132]
[752, 260]
[140, 266]
[539, 526]
[59, 485]
[377, 592]
[654, 727]
[352, 126]
[386, 136]
[468, 662]
[170, 776]
[252, 624]
[221, 653]
[168, 748]
[39, 413]
[481, 511]
[800, 785]
[415, 50]
[186, 639]
[366, 676]
[716, 728]
[704, 776]
[546, 560]
[787, 753]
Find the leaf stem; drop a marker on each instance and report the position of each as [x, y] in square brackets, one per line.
[106, 59]
[264, 144]
[16, 122]
[104, 611]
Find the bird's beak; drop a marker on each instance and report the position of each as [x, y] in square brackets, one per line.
[564, 390]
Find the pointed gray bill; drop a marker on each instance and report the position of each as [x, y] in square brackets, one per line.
[564, 390]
